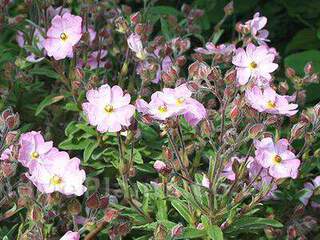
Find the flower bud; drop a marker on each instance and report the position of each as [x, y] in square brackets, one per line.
[290, 72]
[11, 137]
[308, 68]
[292, 233]
[283, 88]
[228, 9]
[74, 207]
[230, 77]
[121, 25]
[181, 61]
[110, 214]
[35, 214]
[297, 130]
[255, 130]
[177, 230]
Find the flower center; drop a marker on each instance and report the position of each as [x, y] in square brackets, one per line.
[56, 180]
[253, 65]
[271, 104]
[108, 108]
[34, 155]
[63, 36]
[180, 101]
[277, 159]
[163, 109]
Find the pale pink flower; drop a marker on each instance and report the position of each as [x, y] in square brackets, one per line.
[159, 166]
[279, 160]
[71, 236]
[93, 62]
[91, 31]
[64, 33]
[253, 62]
[20, 39]
[210, 48]
[135, 44]
[59, 174]
[309, 188]
[157, 108]
[108, 108]
[5, 155]
[205, 181]
[261, 178]
[34, 150]
[269, 101]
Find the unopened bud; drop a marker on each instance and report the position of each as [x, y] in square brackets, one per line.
[290, 72]
[283, 88]
[177, 230]
[297, 130]
[228, 9]
[74, 207]
[308, 68]
[256, 129]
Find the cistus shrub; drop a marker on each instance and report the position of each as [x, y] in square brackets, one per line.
[144, 120]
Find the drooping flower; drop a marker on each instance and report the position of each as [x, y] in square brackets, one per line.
[159, 166]
[210, 48]
[59, 174]
[260, 178]
[269, 101]
[253, 62]
[309, 187]
[108, 108]
[34, 150]
[71, 236]
[279, 160]
[94, 60]
[135, 44]
[5, 155]
[64, 33]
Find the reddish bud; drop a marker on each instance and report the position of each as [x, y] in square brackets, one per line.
[110, 214]
[181, 61]
[308, 68]
[256, 129]
[290, 72]
[177, 230]
[297, 130]
[74, 207]
[93, 201]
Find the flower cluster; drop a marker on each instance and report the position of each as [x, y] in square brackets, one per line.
[50, 170]
[173, 102]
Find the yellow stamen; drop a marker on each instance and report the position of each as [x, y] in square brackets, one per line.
[63, 36]
[56, 180]
[253, 65]
[108, 108]
[180, 101]
[34, 155]
[277, 159]
[271, 104]
[163, 109]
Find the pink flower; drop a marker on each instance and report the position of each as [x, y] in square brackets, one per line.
[71, 236]
[64, 33]
[256, 26]
[94, 61]
[135, 44]
[157, 108]
[280, 161]
[5, 155]
[108, 108]
[59, 174]
[269, 101]
[159, 166]
[309, 188]
[34, 150]
[210, 48]
[253, 62]
[205, 181]
[261, 178]
[173, 102]
[20, 39]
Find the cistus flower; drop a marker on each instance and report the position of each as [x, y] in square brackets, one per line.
[205, 181]
[94, 60]
[34, 150]
[173, 102]
[71, 236]
[254, 62]
[5, 155]
[135, 44]
[309, 187]
[108, 108]
[260, 178]
[210, 48]
[64, 33]
[59, 174]
[269, 101]
[279, 160]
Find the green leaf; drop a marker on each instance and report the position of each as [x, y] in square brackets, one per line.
[164, 10]
[70, 144]
[302, 40]
[89, 150]
[44, 72]
[252, 223]
[190, 233]
[165, 29]
[47, 102]
[215, 232]
[183, 210]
